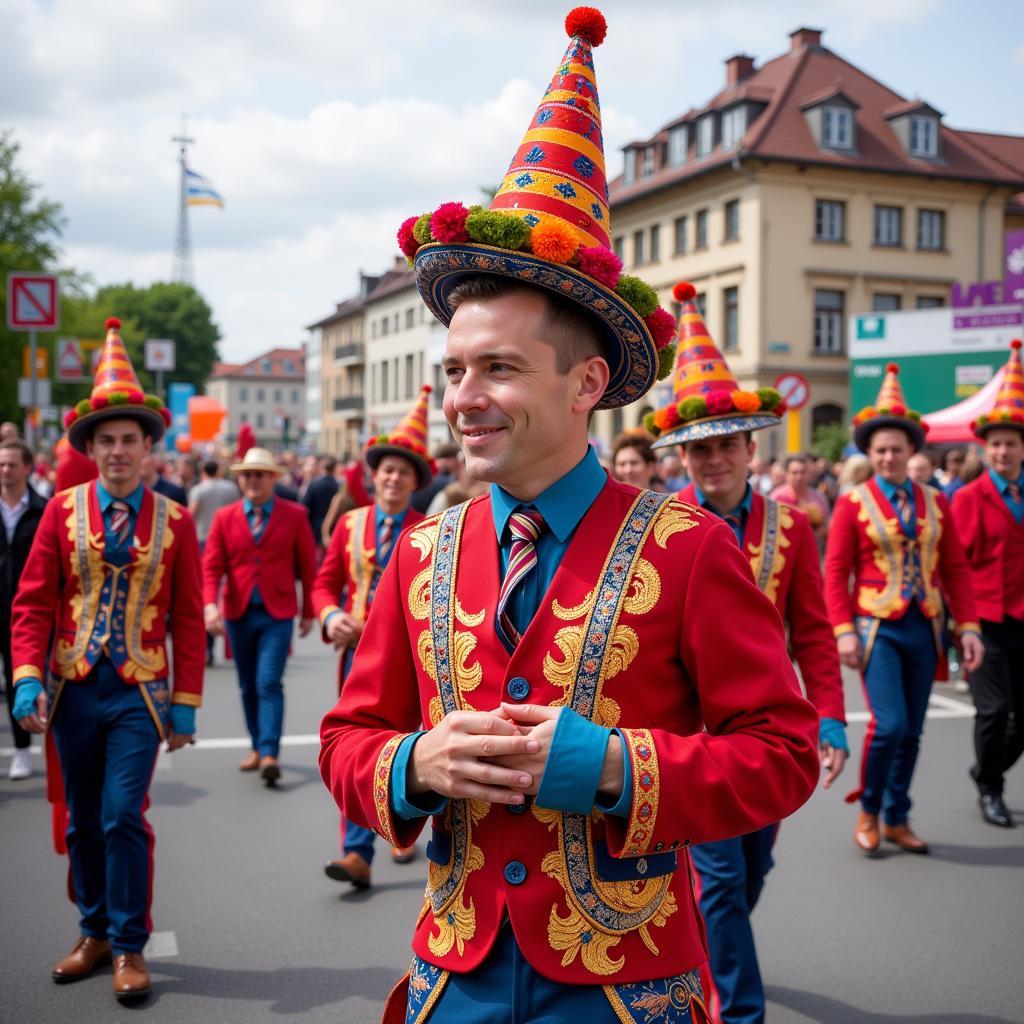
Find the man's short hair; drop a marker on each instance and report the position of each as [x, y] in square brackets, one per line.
[211, 467]
[574, 333]
[330, 464]
[15, 444]
[447, 451]
[790, 459]
[640, 442]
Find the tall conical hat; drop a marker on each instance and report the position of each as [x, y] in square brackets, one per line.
[1008, 410]
[549, 226]
[408, 439]
[706, 400]
[116, 394]
[890, 410]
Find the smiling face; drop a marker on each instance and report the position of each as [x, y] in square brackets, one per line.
[889, 451]
[1004, 451]
[520, 423]
[719, 466]
[630, 467]
[118, 447]
[394, 481]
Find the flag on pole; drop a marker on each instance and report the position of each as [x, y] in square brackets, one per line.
[199, 191]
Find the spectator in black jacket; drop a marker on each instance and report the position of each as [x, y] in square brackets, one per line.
[20, 509]
[319, 495]
[155, 481]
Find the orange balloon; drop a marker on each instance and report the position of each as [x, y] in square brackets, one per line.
[205, 415]
[183, 442]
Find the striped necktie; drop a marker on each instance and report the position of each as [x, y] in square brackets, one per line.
[525, 527]
[387, 531]
[904, 509]
[256, 522]
[120, 521]
[1013, 490]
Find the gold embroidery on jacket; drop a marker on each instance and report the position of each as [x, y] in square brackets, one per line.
[774, 538]
[675, 517]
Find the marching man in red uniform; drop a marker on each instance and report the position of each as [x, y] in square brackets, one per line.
[897, 540]
[599, 681]
[360, 549]
[113, 566]
[989, 514]
[713, 419]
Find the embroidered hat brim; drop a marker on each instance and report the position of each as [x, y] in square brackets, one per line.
[82, 429]
[628, 346]
[716, 426]
[376, 452]
[863, 431]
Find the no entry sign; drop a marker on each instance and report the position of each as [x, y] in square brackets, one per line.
[794, 389]
[32, 303]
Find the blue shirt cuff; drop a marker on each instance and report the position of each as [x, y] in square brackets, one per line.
[623, 806]
[574, 764]
[25, 694]
[407, 808]
[832, 733]
[183, 719]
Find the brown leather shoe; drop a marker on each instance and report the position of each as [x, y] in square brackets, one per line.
[88, 954]
[903, 836]
[403, 854]
[250, 762]
[865, 835]
[351, 868]
[270, 770]
[131, 977]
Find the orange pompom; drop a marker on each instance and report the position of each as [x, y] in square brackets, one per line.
[893, 368]
[588, 23]
[113, 323]
[554, 240]
[1016, 343]
[684, 291]
[746, 401]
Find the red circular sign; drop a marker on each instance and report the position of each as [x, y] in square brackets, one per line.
[794, 389]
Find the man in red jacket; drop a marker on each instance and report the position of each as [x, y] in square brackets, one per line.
[989, 514]
[261, 545]
[897, 542]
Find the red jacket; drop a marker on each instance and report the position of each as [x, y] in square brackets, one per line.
[994, 542]
[779, 543]
[345, 578]
[67, 582]
[284, 554]
[867, 542]
[651, 624]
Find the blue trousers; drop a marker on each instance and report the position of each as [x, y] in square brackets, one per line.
[732, 874]
[355, 838]
[107, 742]
[259, 643]
[505, 989]
[898, 681]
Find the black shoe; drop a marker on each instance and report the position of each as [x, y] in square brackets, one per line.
[994, 810]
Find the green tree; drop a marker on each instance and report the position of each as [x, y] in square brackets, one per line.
[164, 310]
[30, 229]
[829, 441]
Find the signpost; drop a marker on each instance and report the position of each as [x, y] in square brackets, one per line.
[33, 304]
[70, 367]
[796, 393]
[160, 358]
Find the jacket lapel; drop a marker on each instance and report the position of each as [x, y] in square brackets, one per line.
[992, 495]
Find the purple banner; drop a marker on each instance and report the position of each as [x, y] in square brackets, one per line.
[972, 321]
[1013, 278]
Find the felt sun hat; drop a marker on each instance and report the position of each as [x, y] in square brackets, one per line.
[549, 226]
[706, 400]
[116, 394]
[890, 410]
[1008, 410]
[408, 440]
[258, 460]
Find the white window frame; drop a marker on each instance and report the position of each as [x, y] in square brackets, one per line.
[837, 127]
[888, 218]
[734, 124]
[731, 319]
[936, 225]
[647, 167]
[705, 135]
[828, 324]
[829, 220]
[924, 135]
[731, 211]
[678, 144]
[629, 167]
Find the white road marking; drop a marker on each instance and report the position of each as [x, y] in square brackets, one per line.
[161, 946]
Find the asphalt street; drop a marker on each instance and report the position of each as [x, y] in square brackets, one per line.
[248, 929]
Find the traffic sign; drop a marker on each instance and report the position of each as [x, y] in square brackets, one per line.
[43, 393]
[70, 367]
[32, 302]
[160, 354]
[42, 362]
[795, 390]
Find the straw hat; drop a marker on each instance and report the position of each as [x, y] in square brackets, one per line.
[258, 460]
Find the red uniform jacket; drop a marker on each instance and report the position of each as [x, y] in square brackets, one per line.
[866, 541]
[349, 567]
[651, 624]
[284, 553]
[779, 544]
[67, 582]
[994, 542]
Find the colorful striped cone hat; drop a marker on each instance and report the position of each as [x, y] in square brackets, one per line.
[408, 439]
[1008, 410]
[706, 400]
[549, 226]
[116, 394]
[890, 410]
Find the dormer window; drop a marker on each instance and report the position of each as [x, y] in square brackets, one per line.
[629, 170]
[837, 128]
[678, 143]
[924, 136]
[705, 135]
[647, 168]
[266, 365]
[734, 124]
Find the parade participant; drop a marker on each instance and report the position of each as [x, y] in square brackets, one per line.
[590, 708]
[113, 566]
[779, 544]
[259, 547]
[989, 515]
[360, 549]
[897, 540]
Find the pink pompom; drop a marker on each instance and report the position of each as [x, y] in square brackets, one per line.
[600, 263]
[662, 326]
[69, 417]
[100, 401]
[165, 413]
[136, 397]
[719, 402]
[448, 224]
[406, 240]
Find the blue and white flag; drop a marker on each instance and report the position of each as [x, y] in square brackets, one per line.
[199, 191]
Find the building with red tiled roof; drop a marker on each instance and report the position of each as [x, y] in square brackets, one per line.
[268, 392]
[803, 192]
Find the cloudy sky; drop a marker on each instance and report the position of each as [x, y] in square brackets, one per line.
[324, 123]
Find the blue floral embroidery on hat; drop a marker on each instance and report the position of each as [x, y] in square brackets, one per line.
[565, 190]
[596, 211]
[532, 219]
[524, 179]
[584, 166]
[535, 156]
[544, 116]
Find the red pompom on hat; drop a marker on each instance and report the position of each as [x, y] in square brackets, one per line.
[892, 368]
[588, 23]
[1016, 343]
[684, 291]
[113, 324]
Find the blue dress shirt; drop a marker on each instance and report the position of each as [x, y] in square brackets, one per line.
[106, 499]
[396, 529]
[1002, 486]
[890, 489]
[741, 511]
